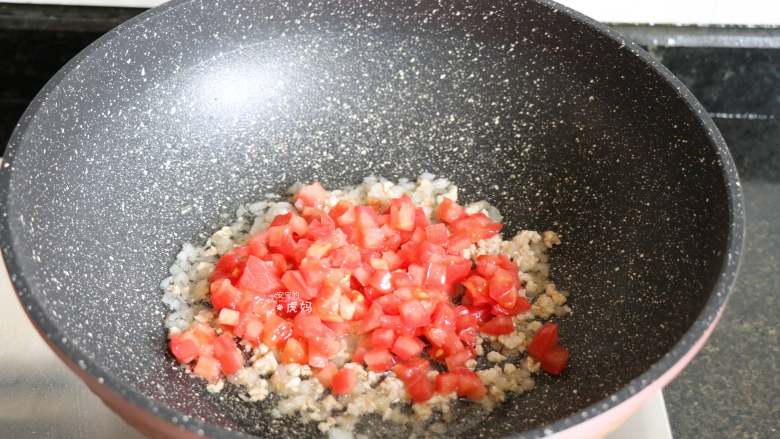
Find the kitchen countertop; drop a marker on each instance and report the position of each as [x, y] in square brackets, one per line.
[730, 389]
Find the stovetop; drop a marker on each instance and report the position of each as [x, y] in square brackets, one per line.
[730, 390]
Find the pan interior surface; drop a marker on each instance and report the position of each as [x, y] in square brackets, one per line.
[155, 135]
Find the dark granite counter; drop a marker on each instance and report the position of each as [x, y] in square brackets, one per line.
[732, 388]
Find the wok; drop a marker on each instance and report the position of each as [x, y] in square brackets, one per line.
[154, 134]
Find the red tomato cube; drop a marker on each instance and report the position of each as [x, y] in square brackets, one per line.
[446, 383]
[183, 348]
[325, 375]
[228, 317]
[378, 360]
[469, 385]
[449, 211]
[402, 213]
[224, 295]
[382, 338]
[294, 352]
[413, 314]
[207, 368]
[343, 381]
[259, 278]
[406, 347]
[555, 360]
[228, 355]
[501, 325]
[546, 338]
[312, 195]
[419, 389]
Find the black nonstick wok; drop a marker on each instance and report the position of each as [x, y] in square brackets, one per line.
[155, 133]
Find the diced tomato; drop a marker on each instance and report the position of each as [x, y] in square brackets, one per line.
[436, 276]
[457, 242]
[325, 375]
[202, 333]
[482, 314]
[458, 269]
[458, 359]
[228, 355]
[322, 228]
[230, 265]
[444, 316]
[228, 317]
[468, 336]
[343, 381]
[420, 218]
[298, 225]
[476, 291]
[359, 354]
[314, 271]
[446, 383]
[378, 360]
[340, 209]
[501, 288]
[207, 368]
[498, 326]
[391, 322]
[371, 320]
[326, 345]
[465, 319]
[417, 272]
[380, 270]
[294, 282]
[340, 328]
[281, 220]
[278, 263]
[420, 389]
[224, 295]
[555, 360]
[487, 265]
[413, 314]
[382, 338]
[328, 302]
[183, 348]
[406, 347]
[280, 240]
[392, 259]
[276, 331]
[368, 234]
[312, 195]
[257, 245]
[437, 336]
[294, 352]
[469, 385]
[546, 338]
[308, 325]
[449, 211]
[253, 331]
[522, 305]
[408, 253]
[392, 238]
[318, 249]
[402, 213]
[407, 370]
[259, 278]
[345, 257]
[436, 233]
[381, 280]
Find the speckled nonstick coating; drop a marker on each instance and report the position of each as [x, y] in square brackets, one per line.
[154, 134]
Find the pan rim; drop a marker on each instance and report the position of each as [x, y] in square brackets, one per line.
[708, 316]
